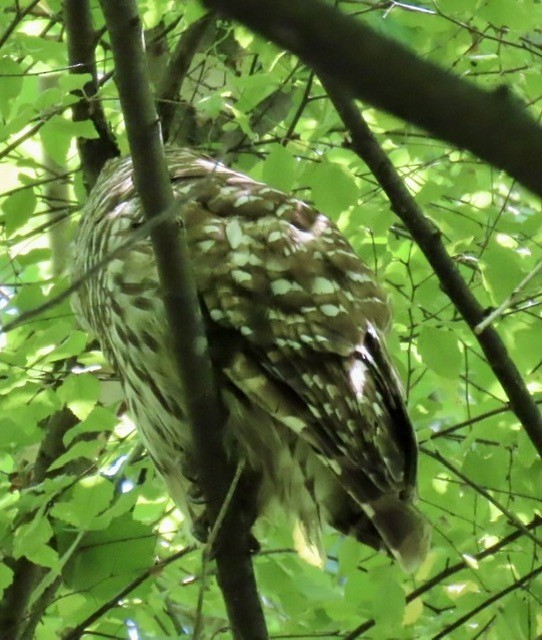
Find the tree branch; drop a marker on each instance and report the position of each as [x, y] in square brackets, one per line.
[17, 19]
[488, 602]
[493, 125]
[469, 422]
[190, 348]
[81, 41]
[177, 68]
[449, 571]
[14, 608]
[428, 237]
[79, 630]
[513, 519]
[510, 300]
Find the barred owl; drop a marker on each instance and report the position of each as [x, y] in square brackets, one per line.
[296, 326]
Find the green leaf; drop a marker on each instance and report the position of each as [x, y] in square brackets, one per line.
[279, 168]
[72, 345]
[56, 138]
[333, 190]
[88, 449]
[350, 554]
[73, 81]
[34, 256]
[358, 590]
[459, 6]
[388, 598]
[58, 133]
[31, 542]
[485, 468]
[90, 497]
[80, 393]
[6, 577]
[193, 11]
[18, 209]
[11, 78]
[123, 549]
[18, 426]
[502, 272]
[98, 420]
[503, 13]
[439, 350]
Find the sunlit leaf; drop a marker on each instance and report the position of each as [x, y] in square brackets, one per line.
[278, 168]
[439, 350]
[31, 541]
[333, 189]
[18, 208]
[80, 393]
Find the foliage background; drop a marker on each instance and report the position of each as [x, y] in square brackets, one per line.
[85, 525]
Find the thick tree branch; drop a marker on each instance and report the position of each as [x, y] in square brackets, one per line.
[81, 41]
[492, 125]
[190, 348]
[428, 238]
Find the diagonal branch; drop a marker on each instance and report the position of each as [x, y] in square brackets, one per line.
[492, 125]
[513, 519]
[428, 238]
[488, 602]
[510, 301]
[447, 572]
[76, 632]
[189, 343]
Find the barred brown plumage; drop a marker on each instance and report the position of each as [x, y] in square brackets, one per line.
[295, 323]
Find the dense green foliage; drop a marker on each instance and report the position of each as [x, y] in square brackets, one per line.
[81, 509]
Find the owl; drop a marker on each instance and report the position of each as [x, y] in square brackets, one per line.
[296, 325]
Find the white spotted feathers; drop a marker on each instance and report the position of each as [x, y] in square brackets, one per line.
[296, 326]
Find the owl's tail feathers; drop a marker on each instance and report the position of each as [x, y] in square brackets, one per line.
[404, 530]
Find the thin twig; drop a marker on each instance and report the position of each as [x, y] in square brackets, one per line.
[513, 519]
[137, 235]
[509, 302]
[77, 632]
[209, 547]
[470, 421]
[487, 603]
[178, 66]
[19, 16]
[449, 571]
